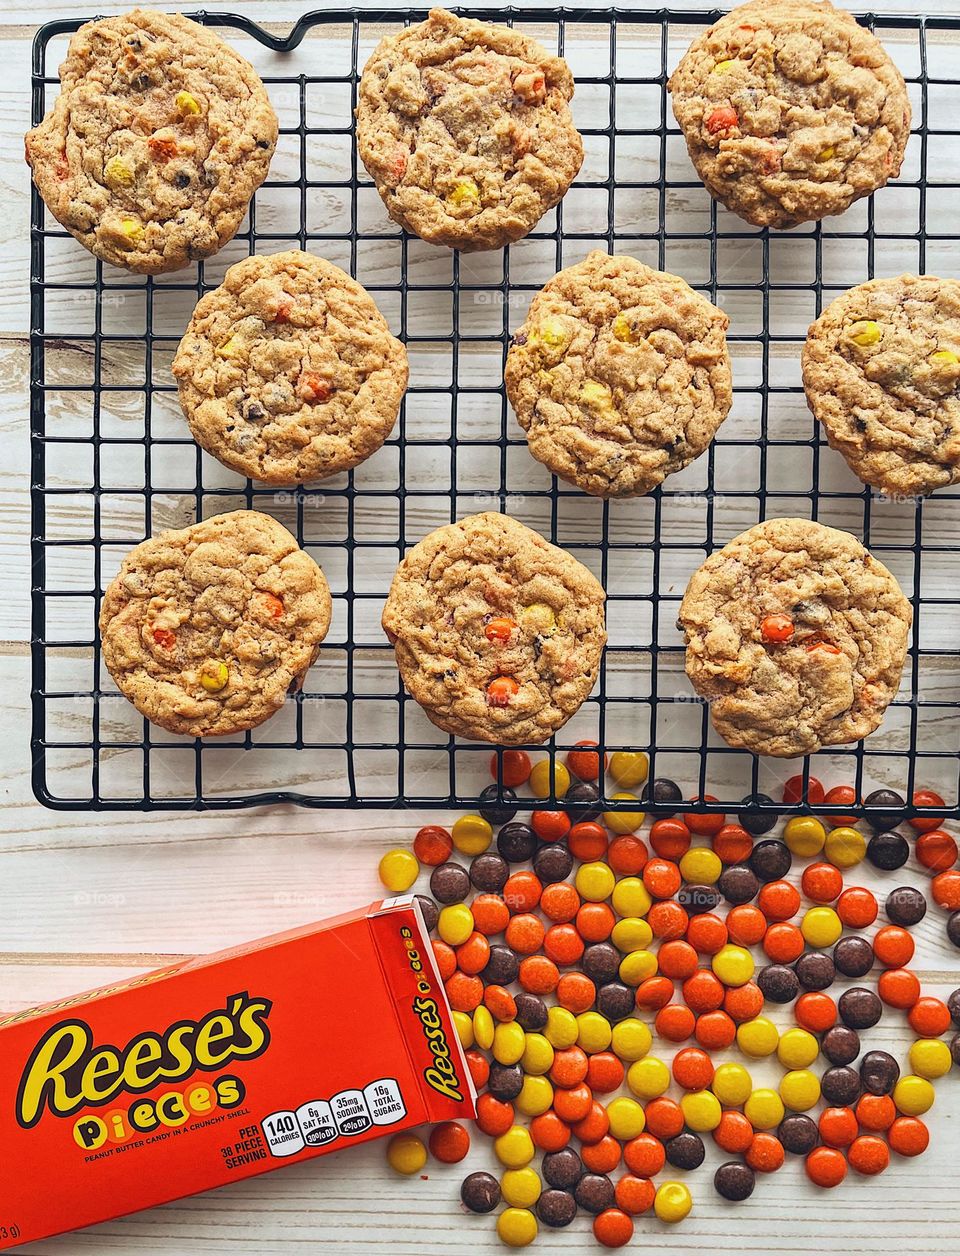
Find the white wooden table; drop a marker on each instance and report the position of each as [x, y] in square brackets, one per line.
[87, 898]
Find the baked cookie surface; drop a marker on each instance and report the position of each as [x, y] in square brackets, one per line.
[464, 127]
[796, 636]
[881, 370]
[791, 111]
[288, 371]
[205, 629]
[498, 634]
[619, 376]
[160, 136]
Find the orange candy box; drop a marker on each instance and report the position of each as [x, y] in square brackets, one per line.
[224, 1067]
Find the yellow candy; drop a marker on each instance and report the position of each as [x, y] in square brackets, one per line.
[623, 331]
[701, 1110]
[930, 1058]
[520, 1188]
[117, 173]
[483, 1028]
[945, 357]
[539, 781]
[631, 934]
[595, 394]
[733, 965]
[845, 847]
[913, 1095]
[471, 835]
[672, 1202]
[540, 618]
[700, 866]
[631, 898]
[406, 1154]
[232, 348]
[537, 1055]
[804, 835]
[732, 1084]
[553, 333]
[593, 1032]
[629, 768]
[797, 1049]
[131, 228]
[623, 821]
[821, 927]
[465, 193]
[187, 104]
[764, 1109]
[723, 67]
[595, 882]
[517, 1227]
[800, 1090]
[648, 1078]
[464, 1027]
[514, 1148]
[561, 1029]
[535, 1097]
[398, 870]
[827, 154]
[866, 332]
[215, 677]
[637, 966]
[626, 1118]
[631, 1039]
[455, 924]
[758, 1037]
[509, 1043]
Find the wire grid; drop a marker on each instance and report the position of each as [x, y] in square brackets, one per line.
[113, 461]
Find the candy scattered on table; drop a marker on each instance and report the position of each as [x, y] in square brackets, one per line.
[635, 956]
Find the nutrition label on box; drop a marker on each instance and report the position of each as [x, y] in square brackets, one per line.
[320, 1121]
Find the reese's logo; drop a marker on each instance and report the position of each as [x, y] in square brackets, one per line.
[441, 1075]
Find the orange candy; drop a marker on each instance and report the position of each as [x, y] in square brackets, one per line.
[644, 1155]
[908, 1136]
[692, 1069]
[765, 1153]
[703, 991]
[473, 954]
[893, 946]
[563, 944]
[779, 900]
[733, 844]
[664, 1118]
[479, 1067]
[604, 1073]
[539, 975]
[522, 891]
[525, 933]
[502, 690]
[929, 1017]
[822, 882]
[868, 1155]
[654, 993]
[677, 960]
[945, 888]
[876, 1112]
[675, 1022]
[707, 933]
[569, 1067]
[584, 762]
[515, 770]
[576, 992]
[549, 1132]
[926, 798]
[793, 791]
[500, 1003]
[705, 824]
[838, 1126]
[493, 1116]
[627, 855]
[464, 992]
[613, 1228]
[550, 826]
[449, 1142]
[595, 922]
[491, 915]
[746, 925]
[715, 1030]
[572, 1103]
[446, 959]
[560, 902]
[826, 1167]
[815, 1011]
[662, 878]
[670, 838]
[433, 845]
[594, 1126]
[937, 851]
[857, 907]
[634, 1195]
[774, 628]
[499, 629]
[743, 1003]
[602, 1156]
[783, 943]
[734, 1134]
[899, 987]
[844, 796]
[667, 919]
[588, 841]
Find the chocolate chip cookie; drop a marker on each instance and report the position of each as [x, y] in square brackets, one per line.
[206, 629]
[791, 111]
[498, 634]
[881, 370]
[288, 371]
[465, 129]
[619, 376]
[159, 137]
[796, 636]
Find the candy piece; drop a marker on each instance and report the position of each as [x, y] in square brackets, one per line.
[597, 395]
[943, 357]
[499, 629]
[187, 104]
[214, 678]
[826, 154]
[530, 86]
[625, 332]
[164, 638]
[502, 690]
[723, 67]
[866, 332]
[777, 628]
[273, 605]
[406, 1154]
[673, 1202]
[132, 228]
[722, 119]
[538, 617]
[312, 388]
[465, 194]
[517, 1227]
[118, 173]
[480, 1192]
[398, 870]
[629, 768]
[162, 147]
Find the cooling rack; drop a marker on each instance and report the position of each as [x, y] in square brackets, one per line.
[112, 460]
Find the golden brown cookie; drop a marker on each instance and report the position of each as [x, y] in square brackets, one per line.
[464, 127]
[619, 376]
[206, 629]
[160, 136]
[791, 111]
[881, 370]
[796, 636]
[498, 634]
[288, 371]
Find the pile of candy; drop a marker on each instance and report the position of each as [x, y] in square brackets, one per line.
[557, 947]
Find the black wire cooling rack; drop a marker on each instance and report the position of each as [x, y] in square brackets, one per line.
[113, 460]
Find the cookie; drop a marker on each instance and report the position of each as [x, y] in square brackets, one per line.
[881, 370]
[498, 634]
[288, 371]
[206, 629]
[796, 636]
[465, 129]
[791, 111]
[159, 137]
[619, 376]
